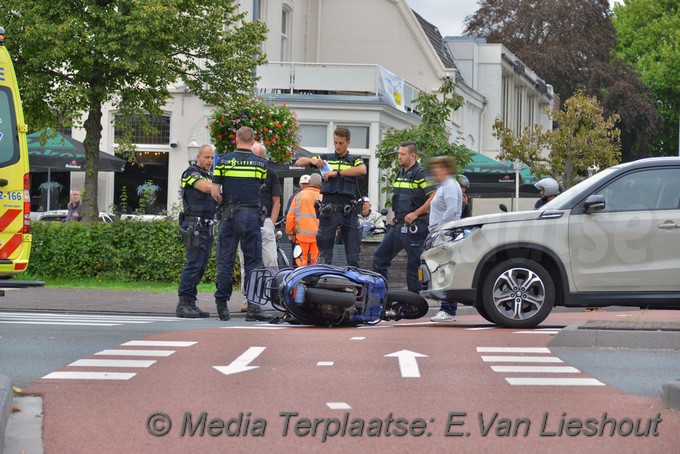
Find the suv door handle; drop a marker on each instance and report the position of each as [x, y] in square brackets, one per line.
[669, 225]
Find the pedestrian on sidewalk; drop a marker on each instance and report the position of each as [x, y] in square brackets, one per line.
[446, 206]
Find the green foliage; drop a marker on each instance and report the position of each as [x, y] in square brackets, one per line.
[430, 135]
[583, 139]
[274, 125]
[125, 250]
[72, 58]
[649, 39]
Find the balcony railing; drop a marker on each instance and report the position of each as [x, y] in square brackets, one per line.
[327, 79]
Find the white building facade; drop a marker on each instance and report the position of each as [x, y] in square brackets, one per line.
[327, 61]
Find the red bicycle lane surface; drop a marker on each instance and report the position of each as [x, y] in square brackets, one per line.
[404, 388]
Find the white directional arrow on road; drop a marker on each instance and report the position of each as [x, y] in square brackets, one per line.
[407, 362]
[241, 364]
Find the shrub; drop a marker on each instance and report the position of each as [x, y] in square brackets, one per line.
[126, 250]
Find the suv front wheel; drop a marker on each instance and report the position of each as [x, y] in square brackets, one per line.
[518, 293]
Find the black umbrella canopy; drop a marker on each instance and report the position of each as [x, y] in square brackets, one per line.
[290, 170]
[60, 153]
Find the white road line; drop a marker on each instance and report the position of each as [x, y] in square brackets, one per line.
[112, 363]
[534, 381]
[90, 375]
[88, 316]
[537, 369]
[479, 328]
[551, 333]
[338, 405]
[382, 325]
[73, 319]
[142, 343]
[255, 327]
[417, 324]
[357, 338]
[325, 363]
[513, 350]
[136, 352]
[521, 359]
[57, 323]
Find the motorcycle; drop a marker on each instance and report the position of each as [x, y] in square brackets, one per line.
[325, 295]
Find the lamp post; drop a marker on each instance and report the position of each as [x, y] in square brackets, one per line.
[192, 150]
[516, 166]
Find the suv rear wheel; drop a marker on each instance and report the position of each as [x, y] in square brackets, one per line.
[518, 293]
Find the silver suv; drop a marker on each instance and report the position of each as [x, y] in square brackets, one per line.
[613, 239]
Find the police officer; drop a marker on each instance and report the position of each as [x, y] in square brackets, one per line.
[413, 193]
[196, 225]
[339, 189]
[236, 186]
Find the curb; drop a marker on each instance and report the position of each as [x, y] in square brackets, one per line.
[671, 394]
[573, 336]
[6, 400]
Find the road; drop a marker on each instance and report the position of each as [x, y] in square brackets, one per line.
[203, 385]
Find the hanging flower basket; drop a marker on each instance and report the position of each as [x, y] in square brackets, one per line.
[275, 126]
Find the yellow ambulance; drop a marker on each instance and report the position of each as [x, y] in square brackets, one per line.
[15, 226]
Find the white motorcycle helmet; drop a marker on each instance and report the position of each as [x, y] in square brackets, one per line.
[549, 186]
[464, 182]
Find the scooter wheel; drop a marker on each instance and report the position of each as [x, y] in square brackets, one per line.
[408, 304]
[324, 296]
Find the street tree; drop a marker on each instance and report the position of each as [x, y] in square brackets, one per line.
[648, 38]
[431, 135]
[74, 57]
[569, 43]
[583, 139]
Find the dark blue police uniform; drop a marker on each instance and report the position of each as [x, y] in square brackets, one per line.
[337, 210]
[196, 221]
[412, 188]
[241, 175]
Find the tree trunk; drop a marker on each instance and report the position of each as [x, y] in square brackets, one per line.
[568, 173]
[93, 136]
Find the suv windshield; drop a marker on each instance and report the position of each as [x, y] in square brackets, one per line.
[9, 147]
[567, 198]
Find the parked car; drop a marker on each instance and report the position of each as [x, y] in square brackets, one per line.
[60, 216]
[613, 239]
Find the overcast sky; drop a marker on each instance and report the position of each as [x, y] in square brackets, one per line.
[449, 15]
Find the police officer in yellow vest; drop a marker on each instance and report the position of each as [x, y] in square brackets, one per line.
[197, 225]
[237, 179]
[413, 193]
[340, 171]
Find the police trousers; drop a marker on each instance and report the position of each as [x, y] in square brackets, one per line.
[197, 256]
[395, 240]
[243, 228]
[351, 236]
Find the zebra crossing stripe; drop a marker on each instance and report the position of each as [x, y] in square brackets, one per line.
[521, 359]
[513, 350]
[535, 381]
[112, 363]
[142, 343]
[536, 369]
[136, 352]
[90, 375]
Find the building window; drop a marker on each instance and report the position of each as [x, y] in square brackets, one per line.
[153, 131]
[285, 34]
[505, 100]
[532, 111]
[314, 135]
[519, 106]
[360, 136]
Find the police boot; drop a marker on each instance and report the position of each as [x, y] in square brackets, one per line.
[256, 314]
[185, 308]
[222, 310]
[203, 314]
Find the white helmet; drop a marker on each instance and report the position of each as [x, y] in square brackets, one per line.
[549, 186]
[464, 182]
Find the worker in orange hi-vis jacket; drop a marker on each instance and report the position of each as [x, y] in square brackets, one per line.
[302, 223]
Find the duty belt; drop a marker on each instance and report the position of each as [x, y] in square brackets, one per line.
[200, 220]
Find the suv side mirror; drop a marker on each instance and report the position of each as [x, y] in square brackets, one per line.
[593, 203]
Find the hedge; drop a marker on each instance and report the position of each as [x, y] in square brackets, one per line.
[125, 250]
